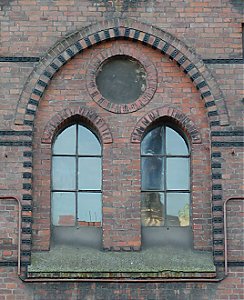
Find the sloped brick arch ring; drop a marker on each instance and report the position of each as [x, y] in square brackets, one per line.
[158, 39]
[168, 112]
[89, 116]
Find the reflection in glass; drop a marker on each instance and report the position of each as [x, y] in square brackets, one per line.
[175, 144]
[152, 209]
[88, 143]
[65, 141]
[89, 173]
[178, 174]
[63, 209]
[63, 173]
[153, 142]
[178, 209]
[89, 209]
[165, 172]
[152, 173]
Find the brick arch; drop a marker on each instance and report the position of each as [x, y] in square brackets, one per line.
[88, 115]
[166, 111]
[133, 30]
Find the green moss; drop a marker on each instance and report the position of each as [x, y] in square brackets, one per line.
[66, 259]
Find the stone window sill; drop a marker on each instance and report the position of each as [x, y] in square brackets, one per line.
[156, 262]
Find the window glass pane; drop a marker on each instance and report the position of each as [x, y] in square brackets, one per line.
[152, 209]
[152, 173]
[177, 174]
[175, 144]
[153, 142]
[89, 173]
[65, 142]
[89, 209]
[63, 173]
[178, 209]
[63, 209]
[88, 143]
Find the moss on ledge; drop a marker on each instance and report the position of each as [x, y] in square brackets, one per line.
[67, 259]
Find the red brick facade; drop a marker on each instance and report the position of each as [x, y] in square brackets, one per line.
[192, 55]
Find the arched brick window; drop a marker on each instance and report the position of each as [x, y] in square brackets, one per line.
[165, 185]
[76, 185]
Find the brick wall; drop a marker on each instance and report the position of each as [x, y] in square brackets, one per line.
[12, 288]
[120, 188]
[33, 34]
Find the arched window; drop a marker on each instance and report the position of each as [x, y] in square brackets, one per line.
[76, 178]
[165, 179]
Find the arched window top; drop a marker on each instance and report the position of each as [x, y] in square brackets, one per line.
[164, 140]
[77, 139]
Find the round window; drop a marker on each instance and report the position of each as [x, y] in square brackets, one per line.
[119, 82]
[121, 79]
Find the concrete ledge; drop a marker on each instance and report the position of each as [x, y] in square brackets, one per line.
[73, 262]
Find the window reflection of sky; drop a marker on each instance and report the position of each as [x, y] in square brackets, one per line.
[65, 141]
[63, 204]
[89, 207]
[63, 173]
[177, 173]
[89, 173]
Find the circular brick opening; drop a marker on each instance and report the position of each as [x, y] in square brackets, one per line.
[121, 79]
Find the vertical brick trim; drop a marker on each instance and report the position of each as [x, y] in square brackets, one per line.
[217, 206]
[168, 112]
[63, 117]
[127, 29]
[27, 207]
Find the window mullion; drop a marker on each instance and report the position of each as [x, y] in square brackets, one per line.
[165, 172]
[76, 176]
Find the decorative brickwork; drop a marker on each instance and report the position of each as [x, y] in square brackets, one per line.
[47, 48]
[166, 112]
[136, 31]
[151, 77]
[74, 112]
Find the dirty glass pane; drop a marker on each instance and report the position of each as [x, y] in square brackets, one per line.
[152, 209]
[153, 142]
[89, 209]
[177, 174]
[63, 173]
[88, 143]
[121, 79]
[89, 173]
[175, 144]
[152, 173]
[63, 209]
[65, 142]
[178, 209]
